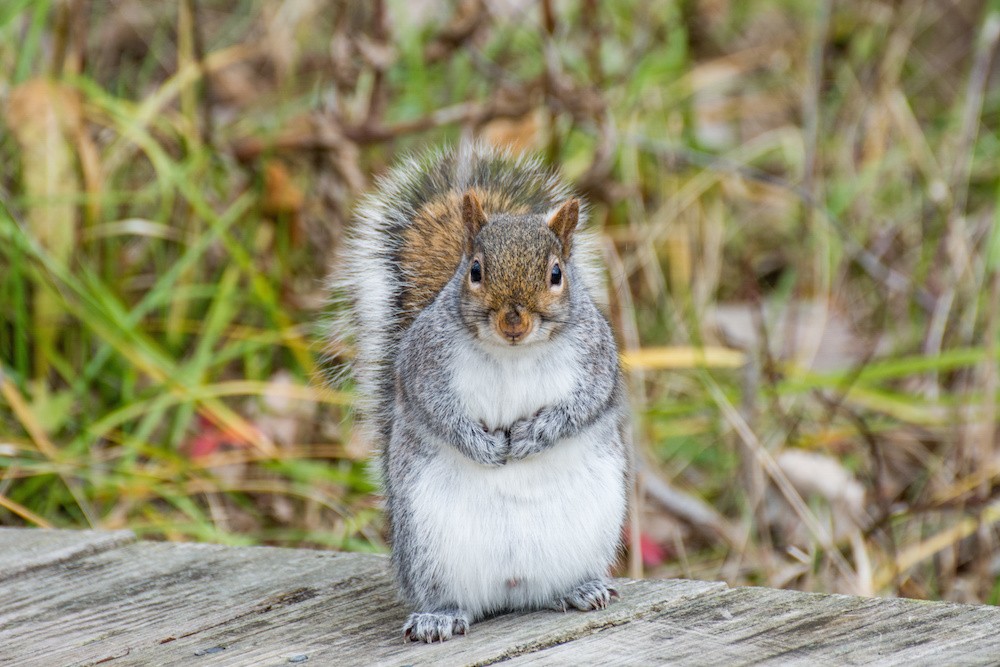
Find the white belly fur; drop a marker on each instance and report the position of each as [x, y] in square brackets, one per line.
[522, 534]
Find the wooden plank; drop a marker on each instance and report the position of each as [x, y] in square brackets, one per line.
[173, 604]
[24, 549]
[359, 623]
[192, 604]
[745, 626]
[110, 604]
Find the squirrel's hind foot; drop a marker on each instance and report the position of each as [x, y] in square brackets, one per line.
[436, 626]
[588, 596]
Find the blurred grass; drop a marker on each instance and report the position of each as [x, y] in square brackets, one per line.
[799, 204]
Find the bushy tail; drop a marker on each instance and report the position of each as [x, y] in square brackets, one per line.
[369, 285]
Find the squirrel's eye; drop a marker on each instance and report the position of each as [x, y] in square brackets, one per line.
[476, 272]
[556, 277]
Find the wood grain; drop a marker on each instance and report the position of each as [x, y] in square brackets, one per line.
[112, 604]
[761, 626]
[359, 623]
[22, 550]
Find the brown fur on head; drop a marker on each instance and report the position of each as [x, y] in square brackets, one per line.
[439, 238]
[516, 287]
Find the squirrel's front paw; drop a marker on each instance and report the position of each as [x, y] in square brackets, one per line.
[595, 594]
[435, 626]
[526, 439]
[493, 447]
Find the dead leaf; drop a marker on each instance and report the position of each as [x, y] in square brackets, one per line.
[283, 199]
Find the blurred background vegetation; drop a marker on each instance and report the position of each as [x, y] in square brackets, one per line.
[799, 202]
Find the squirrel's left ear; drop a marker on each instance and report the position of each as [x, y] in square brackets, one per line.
[473, 219]
[563, 223]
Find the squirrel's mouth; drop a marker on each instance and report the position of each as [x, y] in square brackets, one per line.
[514, 339]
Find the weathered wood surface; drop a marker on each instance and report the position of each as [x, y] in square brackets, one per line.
[23, 550]
[88, 598]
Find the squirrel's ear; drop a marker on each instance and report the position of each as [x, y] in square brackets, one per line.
[563, 222]
[473, 218]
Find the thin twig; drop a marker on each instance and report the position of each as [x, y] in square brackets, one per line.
[379, 93]
[205, 82]
[991, 382]
[627, 326]
[469, 16]
[777, 475]
[955, 242]
[810, 111]
[26, 416]
[836, 404]
[692, 510]
[465, 113]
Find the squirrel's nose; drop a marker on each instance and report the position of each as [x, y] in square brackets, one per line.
[513, 323]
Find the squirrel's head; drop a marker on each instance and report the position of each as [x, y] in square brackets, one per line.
[516, 286]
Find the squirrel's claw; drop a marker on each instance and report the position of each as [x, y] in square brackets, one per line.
[589, 596]
[430, 627]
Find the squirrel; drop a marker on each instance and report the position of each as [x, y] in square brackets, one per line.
[490, 381]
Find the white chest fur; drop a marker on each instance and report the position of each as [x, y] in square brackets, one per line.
[497, 390]
[519, 535]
